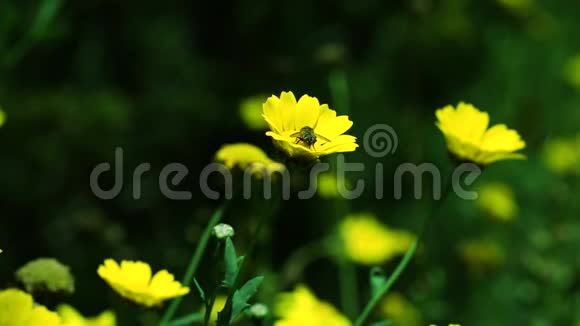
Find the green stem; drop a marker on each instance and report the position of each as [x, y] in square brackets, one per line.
[383, 290]
[348, 288]
[243, 263]
[45, 15]
[405, 261]
[194, 263]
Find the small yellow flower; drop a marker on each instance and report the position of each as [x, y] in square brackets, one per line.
[71, 317]
[133, 280]
[304, 128]
[498, 201]
[2, 117]
[367, 241]
[481, 254]
[398, 309]
[251, 112]
[247, 156]
[301, 308]
[572, 71]
[17, 308]
[562, 155]
[468, 138]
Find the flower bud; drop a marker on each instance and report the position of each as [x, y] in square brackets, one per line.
[222, 231]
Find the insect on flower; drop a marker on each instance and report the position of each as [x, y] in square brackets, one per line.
[308, 136]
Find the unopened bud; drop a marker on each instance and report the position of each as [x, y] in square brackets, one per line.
[222, 231]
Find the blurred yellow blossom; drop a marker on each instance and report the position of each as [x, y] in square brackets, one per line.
[2, 117]
[498, 201]
[481, 254]
[251, 112]
[328, 185]
[398, 309]
[134, 281]
[301, 308]
[71, 317]
[468, 138]
[305, 128]
[367, 241]
[562, 155]
[247, 156]
[17, 308]
[572, 71]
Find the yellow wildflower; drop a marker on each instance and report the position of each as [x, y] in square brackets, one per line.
[481, 254]
[468, 138]
[247, 156]
[133, 280]
[498, 201]
[301, 308]
[367, 241]
[572, 71]
[2, 117]
[398, 309]
[71, 317]
[306, 128]
[562, 155]
[251, 112]
[17, 308]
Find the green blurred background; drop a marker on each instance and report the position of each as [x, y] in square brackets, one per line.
[164, 81]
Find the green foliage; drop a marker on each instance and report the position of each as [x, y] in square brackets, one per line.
[46, 274]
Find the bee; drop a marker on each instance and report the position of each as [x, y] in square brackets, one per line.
[308, 136]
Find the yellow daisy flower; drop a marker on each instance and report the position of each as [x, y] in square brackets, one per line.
[305, 128]
[17, 308]
[71, 317]
[301, 308]
[367, 241]
[498, 201]
[468, 138]
[251, 112]
[133, 280]
[247, 156]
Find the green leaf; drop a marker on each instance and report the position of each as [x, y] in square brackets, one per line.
[243, 295]
[377, 279]
[200, 290]
[231, 264]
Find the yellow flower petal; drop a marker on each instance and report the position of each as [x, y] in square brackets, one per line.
[17, 308]
[467, 136]
[369, 242]
[301, 308]
[307, 112]
[132, 280]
